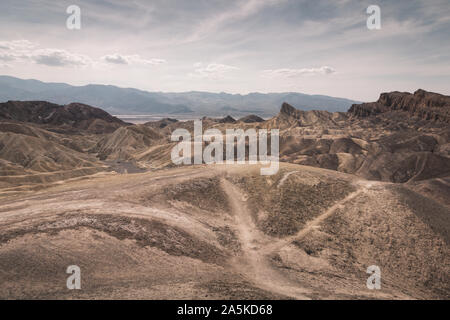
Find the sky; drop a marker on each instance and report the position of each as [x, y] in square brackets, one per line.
[234, 46]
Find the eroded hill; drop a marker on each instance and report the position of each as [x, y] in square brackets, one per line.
[400, 138]
[226, 232]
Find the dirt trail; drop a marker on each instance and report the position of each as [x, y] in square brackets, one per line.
[443, 181]
[275, 246]
[254, 262]
[258, 248]
[285, 178]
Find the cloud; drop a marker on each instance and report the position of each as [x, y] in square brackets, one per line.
[211, 71]
[291, 73]
[114, 58]
[59, 58]
[24, 50]
[130, 60]
[17, 45]
[7, 57]
[244, 9]
[14, 50]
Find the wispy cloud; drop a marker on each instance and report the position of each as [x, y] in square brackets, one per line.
[59, 58]
[130, 60]
[291, 73]
[14, 50]
[213, 71]
[17, 45]
[7, 57]
[21, 51]
[242, 10]
[27, 51]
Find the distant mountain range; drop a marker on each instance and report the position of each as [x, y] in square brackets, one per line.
[131, 101]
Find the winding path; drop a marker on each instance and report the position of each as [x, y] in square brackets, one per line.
[257, 248]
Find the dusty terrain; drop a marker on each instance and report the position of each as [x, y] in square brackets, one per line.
[367, 187]
[146, 236]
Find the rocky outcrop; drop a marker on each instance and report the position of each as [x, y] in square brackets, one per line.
[227, 119]
[290, 116]
[251, 119]
[161, 123]
[422, 104]
[390, 145]
[287, 109]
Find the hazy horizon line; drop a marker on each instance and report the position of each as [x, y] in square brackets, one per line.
[180, 92]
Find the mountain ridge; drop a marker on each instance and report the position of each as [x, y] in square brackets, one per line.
[117, 100]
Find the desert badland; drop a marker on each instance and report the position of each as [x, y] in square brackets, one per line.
[365, 187]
